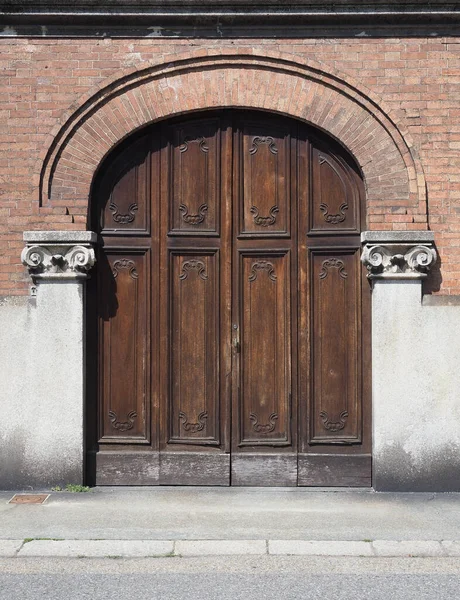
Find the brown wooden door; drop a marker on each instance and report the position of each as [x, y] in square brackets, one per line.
[233, 325]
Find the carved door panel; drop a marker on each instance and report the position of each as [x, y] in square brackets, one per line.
[195, 294]
[334, 323]
[233, 315]
[264, 440]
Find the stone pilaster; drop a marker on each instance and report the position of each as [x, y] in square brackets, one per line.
[53, 411]
[415, 412]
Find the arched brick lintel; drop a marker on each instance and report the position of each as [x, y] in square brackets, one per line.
[392, 174]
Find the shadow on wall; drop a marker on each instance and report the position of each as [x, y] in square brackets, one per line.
[13, 465]
[19, 472]
[433, 282]
[437, 471]
[108, 303]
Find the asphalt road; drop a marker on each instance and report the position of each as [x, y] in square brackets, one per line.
[231, 578]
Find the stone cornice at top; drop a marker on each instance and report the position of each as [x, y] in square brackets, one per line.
[390, 5]
[229, 17]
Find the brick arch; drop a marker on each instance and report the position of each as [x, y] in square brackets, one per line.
[393, 175]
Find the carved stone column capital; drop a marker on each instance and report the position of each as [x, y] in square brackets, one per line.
[59, 255]
[398, 254]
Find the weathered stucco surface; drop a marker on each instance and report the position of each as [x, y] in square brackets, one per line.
[416, 390]
[41, 392]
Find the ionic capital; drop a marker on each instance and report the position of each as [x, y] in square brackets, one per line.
[398, 254]
[59, 254]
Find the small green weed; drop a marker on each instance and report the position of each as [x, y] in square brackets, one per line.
[75, 487]
[71, 487]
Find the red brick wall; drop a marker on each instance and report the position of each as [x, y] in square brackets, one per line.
[418, 79]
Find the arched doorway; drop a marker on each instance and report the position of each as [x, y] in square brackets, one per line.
[233, 326]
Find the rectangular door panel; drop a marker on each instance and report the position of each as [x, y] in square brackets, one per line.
[265, 357]
[336, 388]
[353, 470]
[194, 468]
[125, 193]
[265, 182]
[194, 193]
[127, 468]
[124, 324]
[264, 469]
[194, 356]
[335, 207]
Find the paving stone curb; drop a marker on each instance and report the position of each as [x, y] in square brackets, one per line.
[408, 548]
[452, 548]
[320, 548]
[162, 548]
[10, 548]
[219, 547]
[97, 548]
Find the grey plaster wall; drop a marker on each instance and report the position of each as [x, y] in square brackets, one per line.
[416, 389]
[41, 387]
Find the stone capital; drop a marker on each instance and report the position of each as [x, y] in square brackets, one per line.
[59, 255]
[398, 254]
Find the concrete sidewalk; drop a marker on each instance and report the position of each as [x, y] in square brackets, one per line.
[182, 521]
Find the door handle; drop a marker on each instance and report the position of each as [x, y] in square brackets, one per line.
[236, 344]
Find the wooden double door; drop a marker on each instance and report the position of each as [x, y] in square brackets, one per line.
[232, 312]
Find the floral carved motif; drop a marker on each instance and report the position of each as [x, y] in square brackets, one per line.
[194, 427]
[262, 265]
[332, 263]
[201, 141]
[334, 426]
[258, 140]
[334, 219]
[193, 265]
[123, 218]
[265, 221]
[124, 263]
[122, 425]
[268, 427]
[193, 219]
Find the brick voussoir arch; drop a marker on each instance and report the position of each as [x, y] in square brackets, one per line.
[195, 81]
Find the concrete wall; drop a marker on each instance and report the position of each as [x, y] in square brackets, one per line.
[41, 387]
[416, 388]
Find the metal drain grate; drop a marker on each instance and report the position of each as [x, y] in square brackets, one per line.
[28, 499]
